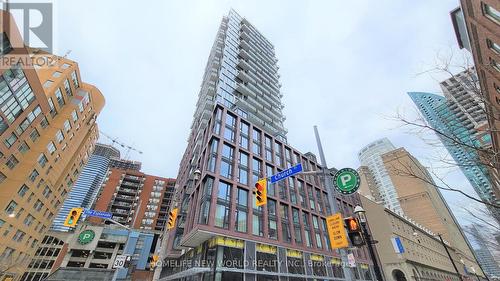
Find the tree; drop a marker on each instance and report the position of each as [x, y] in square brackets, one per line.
[456, 134]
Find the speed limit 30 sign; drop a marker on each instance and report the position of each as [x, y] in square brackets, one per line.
[120, 261]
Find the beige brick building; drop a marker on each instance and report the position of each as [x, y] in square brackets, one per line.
[423, 256]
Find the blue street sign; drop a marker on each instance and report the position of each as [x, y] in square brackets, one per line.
[99, 214]
[287, 173]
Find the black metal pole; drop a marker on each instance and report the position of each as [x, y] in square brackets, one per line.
[449, 256]
[376, 267]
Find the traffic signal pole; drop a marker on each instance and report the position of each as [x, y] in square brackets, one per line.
[369, 243]
[332, 202]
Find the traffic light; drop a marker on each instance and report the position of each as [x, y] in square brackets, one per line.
[172, 217]
[73, 216]
[354, 231]
[261, 192]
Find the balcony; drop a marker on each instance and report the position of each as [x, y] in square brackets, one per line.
[125, 198]
[245, 77]
[244, 90]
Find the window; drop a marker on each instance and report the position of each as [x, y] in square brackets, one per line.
[205, 210]
[67, 126]
[224, 192]
[23, 147]
[48, 83]
[257, 227]
[59, 136]
[273, 229]
[268, 146]
[22, 191]
[244, 132]
[267, 261]
[491, 13]
[34, 135]
[5, 46]
[493, 46]
[34, 174]
[229, 132]
[271, 207]
[256, 140]
[226, 168]
[242, 198]
[59, 97]
[74, 116]
[74, 77]
[51, 148]
[241, 221]
[46, 192]
[10, 140]
[11, 207]
[18, 237]
[44, 123]
[495, 64]
[42, 160]
[52, 111]
[56, 74]
[12, 162]
[217, 121]
[243, 168]
[67, 88]
[222, 216]
[213, 155]
[2, 177]
[38, 205]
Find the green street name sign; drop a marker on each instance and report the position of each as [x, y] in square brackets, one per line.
[346, 181]
[86, 236]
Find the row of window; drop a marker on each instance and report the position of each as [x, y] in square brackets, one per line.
[290, 218]
[290, 158]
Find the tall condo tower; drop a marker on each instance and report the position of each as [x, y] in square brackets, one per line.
[237, 138]
[459, 134]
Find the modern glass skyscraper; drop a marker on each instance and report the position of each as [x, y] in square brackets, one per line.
[482, 248]
[86, 187]
[459, 135]
[237, 137]
[371, 157]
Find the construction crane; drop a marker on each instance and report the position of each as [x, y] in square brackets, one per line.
[115, 141]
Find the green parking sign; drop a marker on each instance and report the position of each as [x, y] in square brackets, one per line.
[346, 181]
[86, 236]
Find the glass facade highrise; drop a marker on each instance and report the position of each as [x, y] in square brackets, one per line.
[462, 140]
[371, 157]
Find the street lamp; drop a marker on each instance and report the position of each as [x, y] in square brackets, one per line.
[361, 214]
[197, 174]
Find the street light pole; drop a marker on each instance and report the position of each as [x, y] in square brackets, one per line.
[449, 256]
[332, 202]
[360, 212]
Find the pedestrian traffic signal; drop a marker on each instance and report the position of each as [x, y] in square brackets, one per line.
[172, 217]
[354, 231]
[261, 192]
[73, 216]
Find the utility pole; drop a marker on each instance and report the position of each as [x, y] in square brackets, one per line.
[449, 256]
[332, 202]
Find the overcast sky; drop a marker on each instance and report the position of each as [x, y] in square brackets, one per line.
[345, 66]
